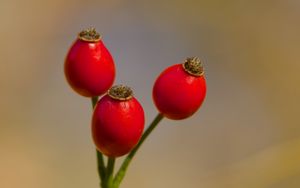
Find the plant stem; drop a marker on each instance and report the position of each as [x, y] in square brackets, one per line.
[109, 176]
[121, 173]
[100, 160]
[94, 101]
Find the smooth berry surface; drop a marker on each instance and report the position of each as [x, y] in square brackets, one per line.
[117, 126]
[178, 94]
[89, 68]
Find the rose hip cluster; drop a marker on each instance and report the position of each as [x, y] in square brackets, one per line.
[118, 118]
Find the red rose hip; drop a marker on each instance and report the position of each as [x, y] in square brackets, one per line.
[118, 122]
[180, 89]
[89, 67]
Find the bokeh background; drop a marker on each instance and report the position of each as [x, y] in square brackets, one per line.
[246, 135]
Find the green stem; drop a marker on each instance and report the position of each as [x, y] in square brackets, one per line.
[100, 165]
[121, 173]
[108, 182]
[94, 101]
[100, 160]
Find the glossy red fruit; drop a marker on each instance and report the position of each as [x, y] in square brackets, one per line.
[89, 67]
[180, 89]
[118, 122]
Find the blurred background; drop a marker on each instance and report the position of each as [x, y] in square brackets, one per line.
[246, 135]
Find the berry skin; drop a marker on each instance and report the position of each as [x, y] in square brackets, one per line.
[89, 67]
[180, 89]
[118, 122]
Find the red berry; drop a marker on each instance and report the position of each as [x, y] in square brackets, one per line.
[89, 67]
[180, 89]
[118, 122]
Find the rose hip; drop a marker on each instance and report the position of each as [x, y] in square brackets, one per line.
[117, 122]
[89, 67]
[180, 89]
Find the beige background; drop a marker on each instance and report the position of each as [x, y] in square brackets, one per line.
[246, 135]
